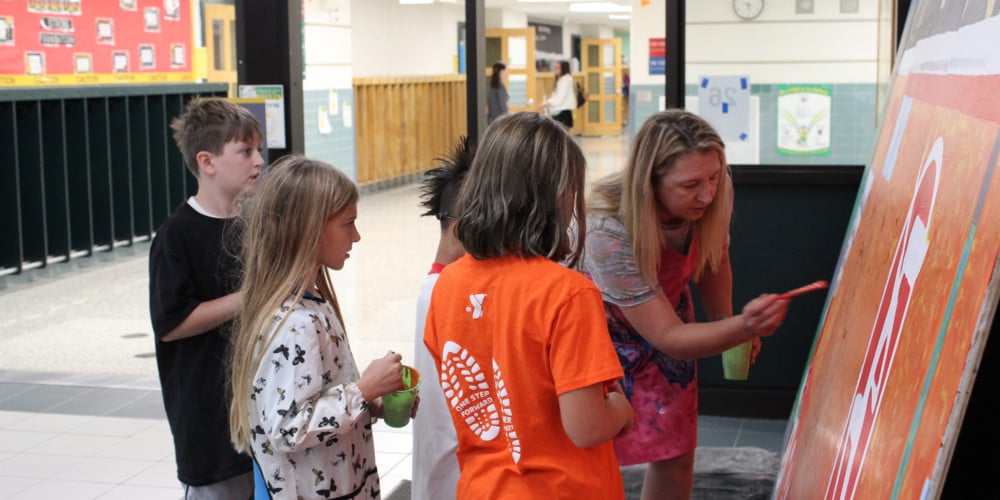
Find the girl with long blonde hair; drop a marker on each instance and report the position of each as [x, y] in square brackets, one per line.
[299, 406]
[653, 228]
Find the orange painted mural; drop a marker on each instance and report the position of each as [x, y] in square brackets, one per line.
[879, 406]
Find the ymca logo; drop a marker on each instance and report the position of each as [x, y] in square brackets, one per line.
[476, 305]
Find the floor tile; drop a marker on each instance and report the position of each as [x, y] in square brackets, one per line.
[40, 400]
[39, 466]
[9, 417]
[387, 462]
[21, 441]
[52, 423]
[75, 445]
[128, 492]
[149, 406]
[58, 488]
[404, 469]
[104, 470]
[15, 485]
[145, 445]
[98, 401]
[393, 442]
[160, 474]
[11, 390]
[117, 426]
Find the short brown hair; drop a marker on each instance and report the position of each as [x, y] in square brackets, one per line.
[208, 124]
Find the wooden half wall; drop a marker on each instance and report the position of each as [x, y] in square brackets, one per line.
[404, 123]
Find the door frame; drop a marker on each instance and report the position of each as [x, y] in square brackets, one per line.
[599, 97]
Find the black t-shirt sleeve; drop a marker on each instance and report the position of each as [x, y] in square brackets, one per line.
[171, 287]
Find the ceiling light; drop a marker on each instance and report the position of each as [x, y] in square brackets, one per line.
[408, 2]
[619, 16]
[599, 7]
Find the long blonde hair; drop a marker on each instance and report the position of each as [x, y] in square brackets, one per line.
[282, 224]
[630, 194]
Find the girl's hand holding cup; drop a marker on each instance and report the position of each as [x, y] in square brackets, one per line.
[382, 376]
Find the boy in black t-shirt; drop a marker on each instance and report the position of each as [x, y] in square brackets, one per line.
[193, 276]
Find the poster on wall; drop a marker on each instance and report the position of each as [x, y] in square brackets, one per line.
[804, 120]
[915, 291]
[84, 42]
[657, 56]
[274, 106]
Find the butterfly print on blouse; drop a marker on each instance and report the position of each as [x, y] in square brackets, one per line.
[329, 422]
[328, 442]
[272, 489]
[327, 377]
[282, 350]
[265, 448]
[329, 490]
[256, 431]
[291, 411]
[318, 474]
[277, 475]
[300, 354]
[281, 393]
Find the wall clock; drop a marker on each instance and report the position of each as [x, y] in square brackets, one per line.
[748, 9]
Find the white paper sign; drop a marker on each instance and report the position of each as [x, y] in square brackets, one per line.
[724, 101]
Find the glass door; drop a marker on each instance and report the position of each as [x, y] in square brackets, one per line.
[602, 73]
[516, 48]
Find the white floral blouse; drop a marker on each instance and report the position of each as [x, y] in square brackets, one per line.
[312, 433]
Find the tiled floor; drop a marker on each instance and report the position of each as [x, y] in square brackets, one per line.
[80, 409]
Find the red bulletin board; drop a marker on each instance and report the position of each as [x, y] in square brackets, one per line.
[80, 42]
[887, 384]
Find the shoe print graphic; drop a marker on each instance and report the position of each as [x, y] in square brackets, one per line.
[513, 443]
[468, 392]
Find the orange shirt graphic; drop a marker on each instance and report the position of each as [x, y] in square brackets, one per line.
[509, 335]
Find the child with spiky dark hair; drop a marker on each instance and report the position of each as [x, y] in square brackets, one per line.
[435, 468]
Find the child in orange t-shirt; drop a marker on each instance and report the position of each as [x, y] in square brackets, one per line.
[523, 351]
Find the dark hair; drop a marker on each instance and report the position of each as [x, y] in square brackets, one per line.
[208, 124]
[495, 75]
[441, 185]
[564, 68]
[524, 188]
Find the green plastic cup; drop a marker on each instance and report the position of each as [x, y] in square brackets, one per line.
[398, 405]
[736, 361]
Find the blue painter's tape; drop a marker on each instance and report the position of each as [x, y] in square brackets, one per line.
[725, 107]
[704, 83]
[743, 83]
[744, 136]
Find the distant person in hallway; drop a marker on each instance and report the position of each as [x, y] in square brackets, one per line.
[435, 467]
[562, 102]
[193, 276]
[496, 102]
[654, 228]
[299, 406]
[526, 363]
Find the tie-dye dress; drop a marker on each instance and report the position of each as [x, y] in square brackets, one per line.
[663, 390]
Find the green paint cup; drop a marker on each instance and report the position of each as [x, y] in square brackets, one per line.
[736, 361]
[398, 405]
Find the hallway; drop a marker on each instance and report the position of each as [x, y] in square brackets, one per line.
[80, 409]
